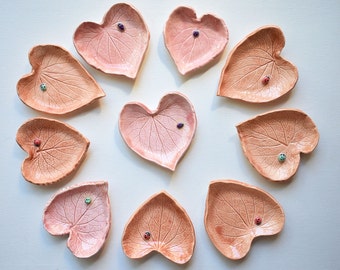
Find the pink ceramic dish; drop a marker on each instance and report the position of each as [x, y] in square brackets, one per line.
[161, 225]
[236, 213]
[118, 45]
[58, 83]
[161, 136]
[193, 42]
[255, 71]
[82, 211]
[273, 141]
[55, 150]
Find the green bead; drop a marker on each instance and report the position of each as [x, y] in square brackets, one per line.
[88, 200]
[282, 157]
[43, 87]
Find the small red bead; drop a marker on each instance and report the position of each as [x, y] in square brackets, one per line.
[37, 142]
[147, 235]
[265, 80]
[258, 221]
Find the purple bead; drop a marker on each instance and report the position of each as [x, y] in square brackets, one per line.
[180, 125]
[121, 27]
[195, 33]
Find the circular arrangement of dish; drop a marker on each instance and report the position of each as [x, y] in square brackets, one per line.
[235, 212]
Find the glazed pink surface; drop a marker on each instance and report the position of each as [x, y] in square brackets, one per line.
[68, 86]
[255, 71]
[161, 225]
[161, 136]
[118, 45]
[82, 211]
[265, 137]
[55, 150]
[236, 213]
[191, 51]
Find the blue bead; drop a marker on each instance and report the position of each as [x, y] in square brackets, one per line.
[282, 157]
[43, 87]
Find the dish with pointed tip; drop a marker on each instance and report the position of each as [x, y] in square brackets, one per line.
[161, 225]
[194, 42]
[273, 141]
[236, 213]
[55, 150]
[82, 211]
[161, 136]
[58, 83]
[255, 71]
[117, 46]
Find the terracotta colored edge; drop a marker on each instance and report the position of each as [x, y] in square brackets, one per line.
[236, 182]
[76, 166]
[236, 47]
[177, 204]
[198, 19]
[133, 76]
[77, 61]
[91, 183]
[275, 111]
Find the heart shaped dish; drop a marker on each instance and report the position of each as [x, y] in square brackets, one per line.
[193, 42]
[161, 136]
[83, 211]
[236, 213]
[117, 46]
[255, 72]
[161, 225]
[55, 150]
[58, 83]
[273, 141]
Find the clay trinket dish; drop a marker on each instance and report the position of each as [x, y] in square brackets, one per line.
[117, 46]
[58, 83]
[161, 225]
[161, 136]
[273, 141]
[55, 150]
[194, 42]
[236, 213]
[82, 211]
[254, 71]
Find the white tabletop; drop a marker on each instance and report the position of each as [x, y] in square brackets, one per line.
[310, 238]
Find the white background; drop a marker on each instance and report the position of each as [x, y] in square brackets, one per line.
[311, 200]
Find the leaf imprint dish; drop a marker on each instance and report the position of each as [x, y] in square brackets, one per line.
[161, 225]
[117, 46]
[82, 211]
[236, 213]
[255, 71]
[273, 141]
[161, 136]
[55, 150]
[192, 42]
[58, 83]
